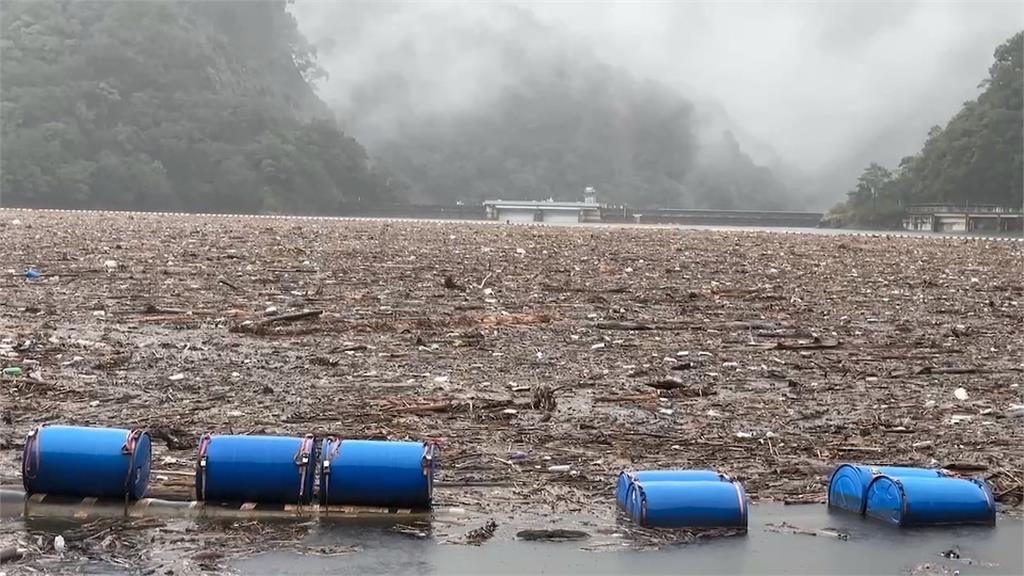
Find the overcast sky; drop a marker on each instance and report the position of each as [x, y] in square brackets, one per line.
[818, 81]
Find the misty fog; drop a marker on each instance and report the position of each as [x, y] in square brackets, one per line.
[815, 90]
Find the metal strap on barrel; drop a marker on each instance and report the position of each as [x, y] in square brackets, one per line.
[633, 487]
[642, 497]
[201, 465]
[32, 451]
[325, 485]
[904, 502]
[430, 448]
[32, 448]
[335, 449]
[990, 499]
[302, 461]
[631, 478]
[630, 474]
[131, 442]
[741, 500]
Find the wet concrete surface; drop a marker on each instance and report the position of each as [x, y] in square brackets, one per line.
[872, 548]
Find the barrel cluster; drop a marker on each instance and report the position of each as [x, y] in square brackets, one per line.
[115, 463]
[294, 470]
[281, 469]
[911, 496]
[682, 499]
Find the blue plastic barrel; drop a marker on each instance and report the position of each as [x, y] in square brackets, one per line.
[849, 482]
[916, 501]
[267, 469]
[688, 504]
[81, 461]
[377, 473]
[628, 476]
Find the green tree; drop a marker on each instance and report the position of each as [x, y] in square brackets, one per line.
[977, 158]
[169, 105]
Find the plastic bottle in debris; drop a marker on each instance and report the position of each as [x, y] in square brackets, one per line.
[12, 371]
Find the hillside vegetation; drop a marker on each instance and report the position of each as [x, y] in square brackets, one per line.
[978, 158]
[169, 105]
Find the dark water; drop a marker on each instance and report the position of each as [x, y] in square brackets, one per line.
[872, 548]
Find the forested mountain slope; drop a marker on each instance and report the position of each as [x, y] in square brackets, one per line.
[169, 105]
[210, 106]
[978, 158]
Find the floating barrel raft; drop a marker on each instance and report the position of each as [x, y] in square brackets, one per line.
[849, 483]
[377, 473]
[627, 477]
[277, 469]
[15, 503]
[87, 462]
[920, 501]
[75, 467]
[698, 499]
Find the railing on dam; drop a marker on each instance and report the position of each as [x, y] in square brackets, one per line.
[729, 217]
[961, 209]
[624, 214]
